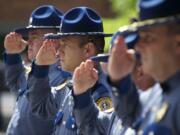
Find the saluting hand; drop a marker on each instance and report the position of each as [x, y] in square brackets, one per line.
[121, 61]
[47, 53]
[84, 77]
[14, 43]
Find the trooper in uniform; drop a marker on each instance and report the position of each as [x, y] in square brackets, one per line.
[112, 124]
[43, 19]
[81, 36]
[159, 50]
[97, 122]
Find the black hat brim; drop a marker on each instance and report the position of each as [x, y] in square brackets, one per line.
[100, 58]
[61, 35]
[137, 26]
[105, 57]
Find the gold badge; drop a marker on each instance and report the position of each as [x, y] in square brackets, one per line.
[104, 104]
[161, 112]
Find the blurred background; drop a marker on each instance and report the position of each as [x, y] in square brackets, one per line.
[15, 13]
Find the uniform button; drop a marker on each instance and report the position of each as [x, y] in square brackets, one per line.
[64, 122]
[114, 89]
[73, 126]
[116, 94]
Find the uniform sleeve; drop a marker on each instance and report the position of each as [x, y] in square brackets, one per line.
[14, 72]
[43, 101]
[89, 119]
[102, 97]
[177, 119]
[125, 100]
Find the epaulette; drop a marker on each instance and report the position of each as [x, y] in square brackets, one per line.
[27, 69]
[62, 85]
[161, 112]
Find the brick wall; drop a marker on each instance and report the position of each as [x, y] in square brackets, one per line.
[16, 12]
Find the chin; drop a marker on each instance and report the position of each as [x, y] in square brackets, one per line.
[63, 67]
[30, 57]
[145, 68]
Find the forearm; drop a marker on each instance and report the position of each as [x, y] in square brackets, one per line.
[88, 118]
[14, 73]
[125, 99]
[42, 101]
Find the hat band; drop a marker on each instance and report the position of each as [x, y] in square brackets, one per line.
[84, 33]
[58, 35]
[33, 26]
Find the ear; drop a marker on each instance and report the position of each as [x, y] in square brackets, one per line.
[89, 50]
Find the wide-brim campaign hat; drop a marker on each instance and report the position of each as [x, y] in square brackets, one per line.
[154, 13]
[80, 21]
[43, 17]
[130, 40]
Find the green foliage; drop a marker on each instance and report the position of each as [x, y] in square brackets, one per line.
[124, 7]
[112, 26]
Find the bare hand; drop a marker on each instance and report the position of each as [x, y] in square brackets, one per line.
[121, 61]
[47, 53]
[84, 77]
[14, 43]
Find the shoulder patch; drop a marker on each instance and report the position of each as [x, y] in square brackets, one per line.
[162, 112]
[104, 104]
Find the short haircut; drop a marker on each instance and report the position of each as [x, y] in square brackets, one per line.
[98, 41]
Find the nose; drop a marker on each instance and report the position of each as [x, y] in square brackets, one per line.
[57, 53]
[60, 51]
[30, 42]
[61, 47]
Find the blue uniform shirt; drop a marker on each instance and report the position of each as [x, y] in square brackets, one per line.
[23, 121]
[166, 116]
[119, 122]
[98, 122]
[49, 102]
